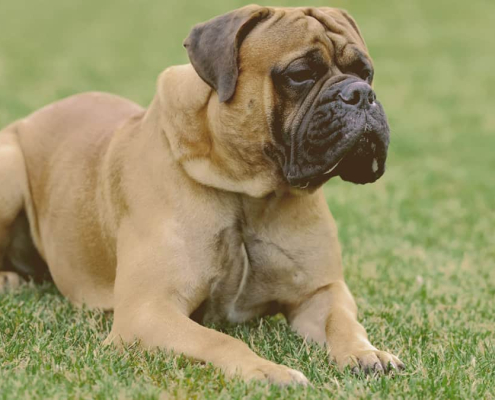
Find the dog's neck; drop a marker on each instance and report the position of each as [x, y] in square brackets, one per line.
[188, 112]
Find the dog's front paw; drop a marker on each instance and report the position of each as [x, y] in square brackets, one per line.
[273, 373]
[370, 362]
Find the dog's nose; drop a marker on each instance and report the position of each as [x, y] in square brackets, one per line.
[358, 94]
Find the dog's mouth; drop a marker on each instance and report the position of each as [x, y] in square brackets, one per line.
[344, 133]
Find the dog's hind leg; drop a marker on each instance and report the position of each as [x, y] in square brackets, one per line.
[12, 183]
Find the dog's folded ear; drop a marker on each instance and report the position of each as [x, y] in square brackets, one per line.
[213, 47]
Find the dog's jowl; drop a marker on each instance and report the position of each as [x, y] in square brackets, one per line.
[208, 204]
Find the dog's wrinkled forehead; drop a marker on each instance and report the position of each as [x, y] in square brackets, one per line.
[271, 34]
[290, 30]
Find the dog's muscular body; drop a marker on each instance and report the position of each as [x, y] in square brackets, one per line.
[207, 204]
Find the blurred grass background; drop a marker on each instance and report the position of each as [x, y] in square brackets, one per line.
[419, 245]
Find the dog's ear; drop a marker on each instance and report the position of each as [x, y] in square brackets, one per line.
[213, 47]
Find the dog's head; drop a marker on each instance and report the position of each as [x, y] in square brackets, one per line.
[291, 94]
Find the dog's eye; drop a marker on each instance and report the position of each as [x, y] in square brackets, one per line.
[367, 75]
[302, 76]
[362, 69]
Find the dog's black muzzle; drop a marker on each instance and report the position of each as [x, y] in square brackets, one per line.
[344, 132]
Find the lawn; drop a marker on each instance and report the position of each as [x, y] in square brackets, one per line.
[419, 245]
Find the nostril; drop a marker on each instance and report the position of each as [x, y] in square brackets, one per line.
[371, 97]
[358, 94]
[352, 98]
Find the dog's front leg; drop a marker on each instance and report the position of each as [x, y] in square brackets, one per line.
[329, 317]
[153, 300]
[161, 324]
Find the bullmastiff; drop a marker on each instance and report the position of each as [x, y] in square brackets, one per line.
[208, 205]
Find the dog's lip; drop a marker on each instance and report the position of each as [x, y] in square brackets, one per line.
[311, 181]
[318, 179]
[334, 166]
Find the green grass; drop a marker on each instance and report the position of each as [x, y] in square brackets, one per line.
[419, 245]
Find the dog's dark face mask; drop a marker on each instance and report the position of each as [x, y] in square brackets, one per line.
[327, 120]
[341, 131]
[339, 128]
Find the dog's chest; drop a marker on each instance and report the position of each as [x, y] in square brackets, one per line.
[257, 277]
